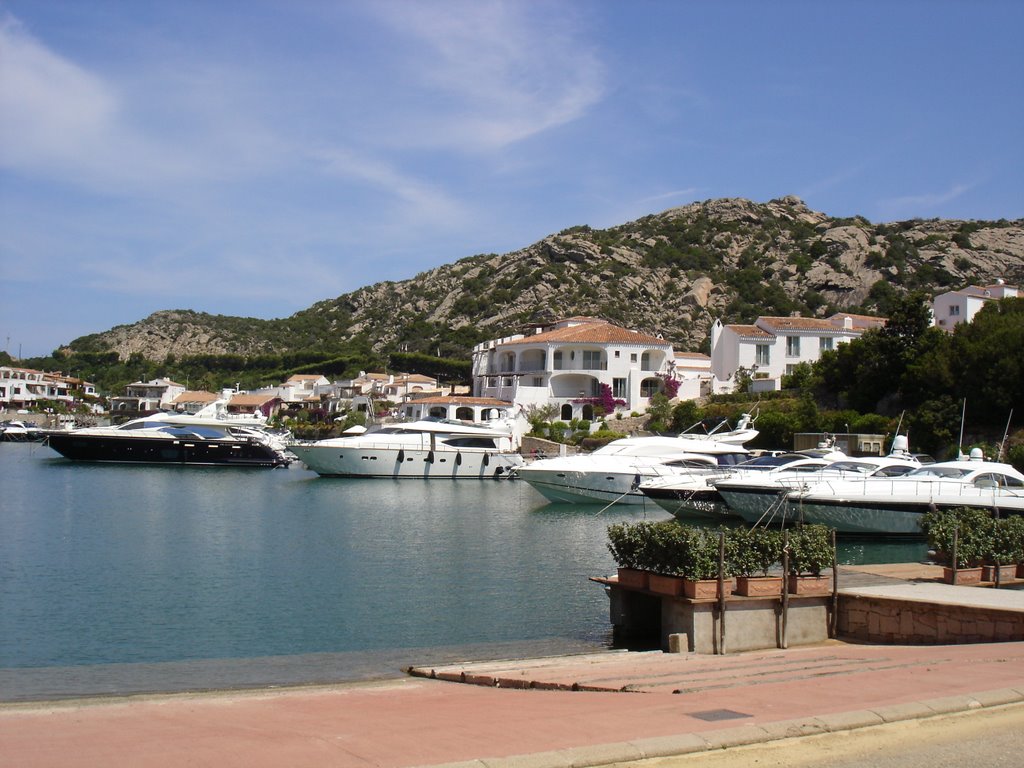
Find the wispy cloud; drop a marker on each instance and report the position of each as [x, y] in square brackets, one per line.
[923, 204]
[501, 74]
[419, 199]
[679, 196]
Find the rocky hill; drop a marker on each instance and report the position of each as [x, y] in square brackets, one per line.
[670, 273]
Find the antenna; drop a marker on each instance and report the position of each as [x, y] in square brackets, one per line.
[963, 417]
[1006, 434]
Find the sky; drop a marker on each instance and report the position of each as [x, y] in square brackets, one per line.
[253, 157]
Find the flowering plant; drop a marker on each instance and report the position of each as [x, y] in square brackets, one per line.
[604, 400]
[670, 384]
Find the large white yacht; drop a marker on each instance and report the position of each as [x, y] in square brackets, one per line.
[894, 506]
[614, 472]
[429, 448]
[172, 439]
[758, 496]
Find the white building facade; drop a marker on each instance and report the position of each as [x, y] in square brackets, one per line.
[774, 346]
[25, 387]
[955, 307]
[155, 395]
[566, 363]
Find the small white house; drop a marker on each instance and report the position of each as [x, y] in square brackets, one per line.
[23, 387]
[955, 307]
[155, 395]
[773, 346]
[566, 363]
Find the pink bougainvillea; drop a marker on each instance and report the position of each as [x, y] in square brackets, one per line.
[604, 400]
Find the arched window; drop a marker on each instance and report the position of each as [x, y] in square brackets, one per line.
[438, 412]
[650, 387]
[464, 413]
[566, 412]
[588, 412]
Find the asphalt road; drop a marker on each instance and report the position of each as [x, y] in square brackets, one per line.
[993, 738]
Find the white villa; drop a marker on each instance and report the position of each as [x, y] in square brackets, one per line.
[955, 307]
[23, 387]
[773, 346]
[155, 395]
[567, 362]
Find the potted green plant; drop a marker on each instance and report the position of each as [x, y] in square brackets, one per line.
[751, 553]
[699, 566]
[810, 552]
[629, 544]
[970, 530]
[1006, 549]
[669, 542]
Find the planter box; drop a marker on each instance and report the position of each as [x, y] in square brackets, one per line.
[759, 586]
[1020, 570]
[705, 589]
[632, 578]
[964, 576]
[1006, 572]
[809, 585]
[665, 585]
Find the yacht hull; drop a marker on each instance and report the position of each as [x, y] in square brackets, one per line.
[146, 450]
[704, 503]
[401, 462]
[895, 517]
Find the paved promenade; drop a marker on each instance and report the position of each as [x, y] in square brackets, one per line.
[569, 710]
[678, 704]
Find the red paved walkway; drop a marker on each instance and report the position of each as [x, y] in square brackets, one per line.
[428, 722]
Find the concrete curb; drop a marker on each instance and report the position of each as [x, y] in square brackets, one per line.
[691, 743]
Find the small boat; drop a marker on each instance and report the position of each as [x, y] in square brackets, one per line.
[424, 449]
[171, 439]
[20, 432]
[615, 472]
[895, 506]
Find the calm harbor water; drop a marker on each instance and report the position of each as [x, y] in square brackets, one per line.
[215, 572]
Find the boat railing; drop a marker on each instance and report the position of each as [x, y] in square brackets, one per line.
[902, 487]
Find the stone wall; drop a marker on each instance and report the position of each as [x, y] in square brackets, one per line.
[756, 623]
[897, 621]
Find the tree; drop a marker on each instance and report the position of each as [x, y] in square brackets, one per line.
[660, 413]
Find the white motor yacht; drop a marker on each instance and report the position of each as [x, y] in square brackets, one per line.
[429, 448]
[894, 506]
[754, 490]
[695, 493]
[171, 439]
[615, 472]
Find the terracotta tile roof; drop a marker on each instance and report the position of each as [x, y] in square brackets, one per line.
[198, 396]
[692, 355]
[596, 332]
[860, 322]
[749, 330]
[305, 377]
[797, 324]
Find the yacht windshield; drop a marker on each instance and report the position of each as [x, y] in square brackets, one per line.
[851, 466]
[936, 471]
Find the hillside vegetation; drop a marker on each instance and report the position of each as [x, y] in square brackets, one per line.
[670, 273]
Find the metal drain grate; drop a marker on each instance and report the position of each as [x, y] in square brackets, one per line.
[712, 715]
